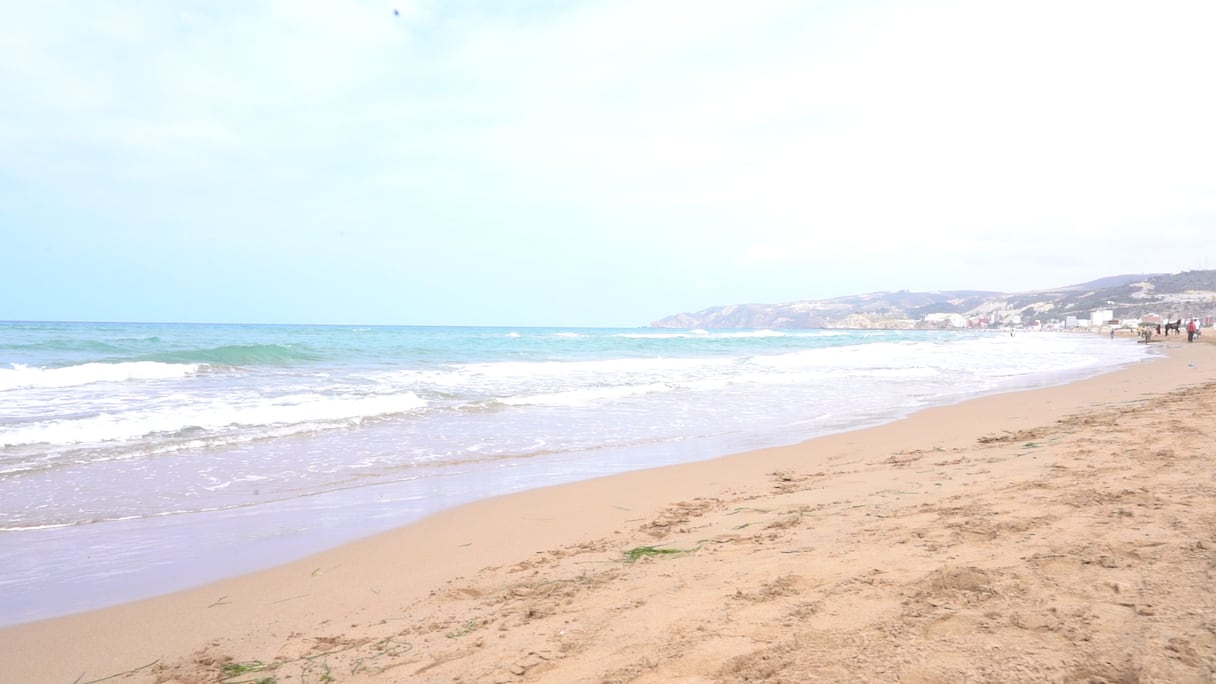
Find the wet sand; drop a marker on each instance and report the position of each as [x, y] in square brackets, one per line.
[1059, 534]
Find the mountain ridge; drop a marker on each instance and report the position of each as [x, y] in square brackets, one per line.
[1167, 296]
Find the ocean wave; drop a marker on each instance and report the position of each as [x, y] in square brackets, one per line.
[699, 334]
[238, 355]
[64, 345]
[20, 376]
[586, 395]
[206, 422]
[658, 336]
[491, 374]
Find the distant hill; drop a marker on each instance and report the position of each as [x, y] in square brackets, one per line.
[1132, 296]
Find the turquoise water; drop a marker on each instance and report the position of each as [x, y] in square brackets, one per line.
[141, 458]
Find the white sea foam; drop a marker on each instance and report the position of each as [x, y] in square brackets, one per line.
[19, 376]
[228, 483]
[300, 412]
[517, 370]
[586, 395]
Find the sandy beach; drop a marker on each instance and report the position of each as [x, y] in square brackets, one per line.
[1065, 534]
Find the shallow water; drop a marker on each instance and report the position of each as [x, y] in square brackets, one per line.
[141, 458]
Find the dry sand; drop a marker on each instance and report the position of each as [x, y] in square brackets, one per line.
[1065, 534]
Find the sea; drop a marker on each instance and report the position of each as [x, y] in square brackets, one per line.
[141, 458]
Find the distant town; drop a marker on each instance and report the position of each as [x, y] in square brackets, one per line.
[1099, 319]
[1123, 301]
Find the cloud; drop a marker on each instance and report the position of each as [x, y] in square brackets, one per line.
[706, 137]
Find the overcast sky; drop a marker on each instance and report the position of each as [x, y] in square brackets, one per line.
[589, 163]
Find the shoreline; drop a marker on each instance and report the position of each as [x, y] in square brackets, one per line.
[131, 539]
[528, 586]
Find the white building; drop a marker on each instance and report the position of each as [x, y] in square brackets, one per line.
[952, 320]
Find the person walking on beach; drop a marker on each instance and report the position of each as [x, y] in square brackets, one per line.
[1190, 330]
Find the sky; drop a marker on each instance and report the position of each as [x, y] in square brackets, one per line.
[589, 163]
